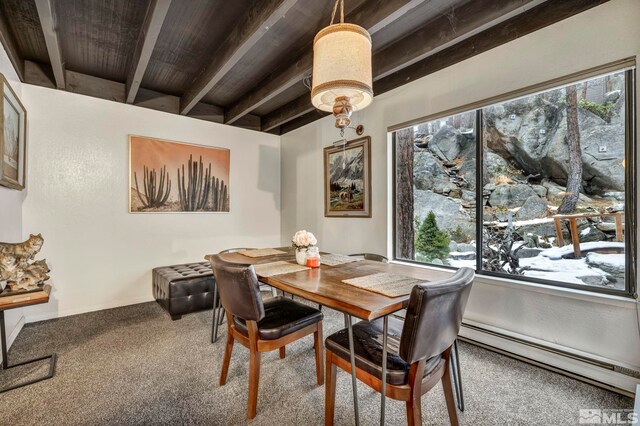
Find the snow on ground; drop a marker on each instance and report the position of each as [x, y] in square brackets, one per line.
[518, 223]
[558, 252]
[463, 263]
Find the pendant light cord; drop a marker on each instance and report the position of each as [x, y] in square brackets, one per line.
[335, 9]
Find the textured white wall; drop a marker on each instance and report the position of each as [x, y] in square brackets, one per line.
[101, 255]
[11, 202]
[594, 326]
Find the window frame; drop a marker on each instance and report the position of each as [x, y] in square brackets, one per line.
[630, 233]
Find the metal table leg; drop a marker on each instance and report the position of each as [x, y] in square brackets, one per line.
[354, 381]
[383, 390]
[214, 327]
[457, 377]
[5, 360]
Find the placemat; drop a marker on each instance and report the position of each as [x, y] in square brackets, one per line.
[391, 285]
[277, 268]
[261, 252]
[338, 259]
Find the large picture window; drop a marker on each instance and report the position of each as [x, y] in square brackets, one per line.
[537, 187]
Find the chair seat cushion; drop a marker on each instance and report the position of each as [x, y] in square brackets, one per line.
[282, 316]
[367, 342]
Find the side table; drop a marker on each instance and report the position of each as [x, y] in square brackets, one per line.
[20, 301]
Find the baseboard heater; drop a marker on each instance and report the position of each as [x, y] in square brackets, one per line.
[607, 366]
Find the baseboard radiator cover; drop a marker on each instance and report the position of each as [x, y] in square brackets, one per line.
[616, 378]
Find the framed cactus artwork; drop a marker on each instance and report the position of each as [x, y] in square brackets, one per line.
[177, 177]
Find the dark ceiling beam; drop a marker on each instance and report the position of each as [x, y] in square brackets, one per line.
[48, 24]
[469, 19]
[9, 44]
[459, 49]
[257, 21]
[541, 16]
[83, 84]
[156, 13]
[434, 35]
[373, 15]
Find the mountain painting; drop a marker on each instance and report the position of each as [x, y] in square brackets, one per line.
[348, 179]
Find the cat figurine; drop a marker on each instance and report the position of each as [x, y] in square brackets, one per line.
[26, 250]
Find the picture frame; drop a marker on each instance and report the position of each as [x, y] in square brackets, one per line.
[347, 179]
[13, 138]
[177, 177]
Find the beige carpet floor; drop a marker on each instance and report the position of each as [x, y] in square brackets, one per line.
[134, 366]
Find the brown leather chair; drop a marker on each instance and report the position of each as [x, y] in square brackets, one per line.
[418, 350]
[261, 326]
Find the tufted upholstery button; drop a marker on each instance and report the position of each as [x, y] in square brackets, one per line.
[182, 289]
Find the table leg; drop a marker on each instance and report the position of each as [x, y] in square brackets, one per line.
[575, 237]
[354, 380]
[560, 241]
[383, 390]
[214, 328]
[457, 377]
[5, 360]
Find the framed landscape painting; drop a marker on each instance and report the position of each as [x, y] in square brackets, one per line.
[12, 138]
[176, 177]
[347, 179]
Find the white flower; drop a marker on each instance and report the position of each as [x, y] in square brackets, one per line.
[303, 239]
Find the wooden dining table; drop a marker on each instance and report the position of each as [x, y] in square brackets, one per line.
[323, 285]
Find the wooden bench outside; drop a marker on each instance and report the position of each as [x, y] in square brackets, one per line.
[573, 226]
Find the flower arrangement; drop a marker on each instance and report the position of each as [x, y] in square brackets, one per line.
[303, 239]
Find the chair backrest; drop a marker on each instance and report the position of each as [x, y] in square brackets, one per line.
[372, 256]
[434, 316]
[238, 288]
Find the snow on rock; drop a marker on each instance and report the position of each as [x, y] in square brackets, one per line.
[611, 263]
[556, 253]
[575, 271]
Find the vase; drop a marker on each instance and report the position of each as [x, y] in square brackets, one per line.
[301, 256]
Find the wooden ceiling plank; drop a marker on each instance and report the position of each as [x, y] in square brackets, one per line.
[396, 58]
[373, 15]
[48, 24]
[470, 18]
[262, 16]
[7, 40]
[534, 19]
[156, 14]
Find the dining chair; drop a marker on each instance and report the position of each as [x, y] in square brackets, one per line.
[371, 256]
[261, 326]
[216, 304]
[418, 350]
[455, 360]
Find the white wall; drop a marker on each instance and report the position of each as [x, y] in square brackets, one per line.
[600, 327]
[11, 205]
[101, 255]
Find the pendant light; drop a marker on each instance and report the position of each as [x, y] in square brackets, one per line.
[342, 80]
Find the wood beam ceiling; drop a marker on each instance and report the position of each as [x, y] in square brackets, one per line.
[48, 24]
[373, 16]
[156, 13]
[259, 18]
[393, 66]
[9, 44]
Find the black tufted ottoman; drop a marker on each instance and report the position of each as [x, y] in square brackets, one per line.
[182, 289]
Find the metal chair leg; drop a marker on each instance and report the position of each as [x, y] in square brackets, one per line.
[457, 377]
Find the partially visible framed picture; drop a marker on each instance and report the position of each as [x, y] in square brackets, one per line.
[13, 138]
[176, 177]
[347, 179]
